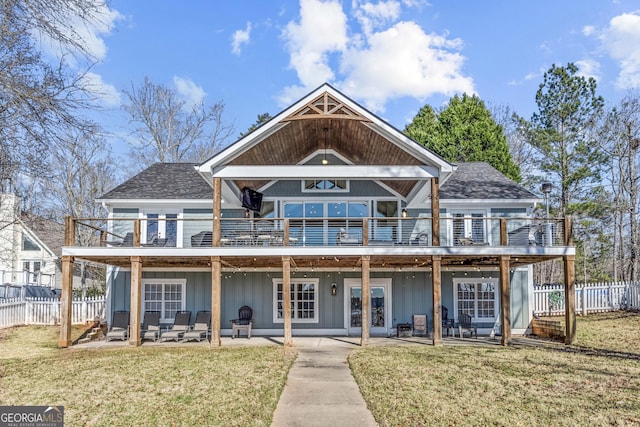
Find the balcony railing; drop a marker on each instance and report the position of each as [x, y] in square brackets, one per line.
[234, 232]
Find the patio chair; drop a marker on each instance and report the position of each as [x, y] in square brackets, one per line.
[179, 328]
[345, 238]
[127, 240]
[200, 328]
[119, 326]
[151, 326]
[243, 322]
[420, 324]
[447, 324]
[464, 324]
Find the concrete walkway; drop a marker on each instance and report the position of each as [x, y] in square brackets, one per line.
[320, 390]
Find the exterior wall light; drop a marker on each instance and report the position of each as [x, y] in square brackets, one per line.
[405, 213]
[334, 289]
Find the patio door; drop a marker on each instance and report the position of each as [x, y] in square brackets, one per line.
[380, 306]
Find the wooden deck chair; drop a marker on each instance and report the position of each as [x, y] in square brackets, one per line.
[179, 327]
[119, 326]
[200, 328]
[151, 326]
[244, 322]
[464, 324]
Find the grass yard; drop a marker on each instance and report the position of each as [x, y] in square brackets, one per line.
[142, 386]
[596, 382]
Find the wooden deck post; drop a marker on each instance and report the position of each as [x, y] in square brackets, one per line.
[216, 302]
[286, 299]
[66, 302]
[570, 298]
[217, 212]
[435, 212]
[66, 298]
[436, 285]
[366, 300]
[136, 233]
[503, 232]
[505, 299]
[136, 301]
[365, 232]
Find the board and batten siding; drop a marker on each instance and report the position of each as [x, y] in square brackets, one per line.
[411, 294]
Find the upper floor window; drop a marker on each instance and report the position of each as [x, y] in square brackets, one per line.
[28, 244]
[325, 184]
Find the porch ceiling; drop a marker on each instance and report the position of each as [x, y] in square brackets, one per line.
[250, 263]
[351, 137]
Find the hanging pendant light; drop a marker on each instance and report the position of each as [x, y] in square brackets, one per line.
[324, 157]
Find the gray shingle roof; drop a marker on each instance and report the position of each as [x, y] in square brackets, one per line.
[163, 181]
[50, 232]
[479, 180]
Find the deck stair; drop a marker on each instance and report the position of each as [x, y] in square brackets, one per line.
[95, 334]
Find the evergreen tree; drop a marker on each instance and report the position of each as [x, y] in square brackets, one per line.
[464, 131]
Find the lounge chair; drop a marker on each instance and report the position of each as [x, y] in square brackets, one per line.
[179, 327]
[200, 328]
[244, 322]
[151, 326]
[119, 326]
[127, 240]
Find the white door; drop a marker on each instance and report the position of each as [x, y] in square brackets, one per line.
[380, 306]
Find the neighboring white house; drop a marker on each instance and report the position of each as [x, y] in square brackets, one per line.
[30, 246]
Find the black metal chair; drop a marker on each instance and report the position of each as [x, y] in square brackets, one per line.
[447, 324]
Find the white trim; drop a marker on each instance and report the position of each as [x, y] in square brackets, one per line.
[353, 172]
[477, 280]
[296, 281]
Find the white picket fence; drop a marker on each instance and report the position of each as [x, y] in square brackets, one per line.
[45, 311]
[590, 298]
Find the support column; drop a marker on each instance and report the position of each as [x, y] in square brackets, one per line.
[286, 299]
[505, 299]
[366, 300]
[217, 211]
[569, 298]
[66, 301]
[436, 285]
[136, 301]
[435, 212]
[216, 300]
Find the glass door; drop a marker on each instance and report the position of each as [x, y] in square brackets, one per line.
[379, 306]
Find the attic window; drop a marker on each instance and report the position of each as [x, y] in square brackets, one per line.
[28, 244]
[320, 185]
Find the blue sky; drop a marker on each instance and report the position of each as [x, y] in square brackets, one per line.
[393, 57]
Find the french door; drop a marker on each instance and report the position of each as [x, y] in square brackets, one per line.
[379, 306]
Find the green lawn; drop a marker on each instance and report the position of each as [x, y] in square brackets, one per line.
[142, 386]
[596, 382]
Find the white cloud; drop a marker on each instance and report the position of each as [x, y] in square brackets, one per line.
[587, 30]
[405, 61]
[322, 29]
[385, 60]
[589, 68]
[107, 94]
[240, 38]
[190, 92]
[621, 40]
[372, 16]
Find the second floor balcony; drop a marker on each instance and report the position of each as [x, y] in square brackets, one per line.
[319, 232]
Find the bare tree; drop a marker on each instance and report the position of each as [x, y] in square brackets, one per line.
[621, 133]
[168, 130]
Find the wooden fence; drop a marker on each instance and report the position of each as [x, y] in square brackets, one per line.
[45, 311]
[548, 300]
